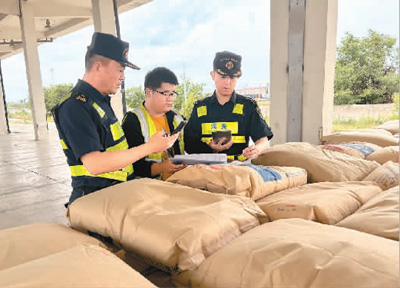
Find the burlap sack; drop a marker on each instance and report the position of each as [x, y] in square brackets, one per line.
[299, 253]
[392, 126]
[389, 153]
[379, 137]
[357, 149]
[324, 202]
[386, 176]
[33, 241]
[379, 216]
[81, 266]
[321, 165]
[247, 180]
[167, 225]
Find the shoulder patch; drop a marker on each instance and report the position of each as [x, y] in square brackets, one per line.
[81, 97]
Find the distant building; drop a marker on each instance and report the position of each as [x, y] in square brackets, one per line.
[256, 92]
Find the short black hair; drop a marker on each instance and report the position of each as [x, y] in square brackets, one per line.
[159, 75]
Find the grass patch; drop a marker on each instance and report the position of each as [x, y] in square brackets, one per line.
[362, 123]
[20, 117]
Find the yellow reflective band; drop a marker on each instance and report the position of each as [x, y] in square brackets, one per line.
[154, 156]
[231, 157]
[81, 170]
[120, 146]
[63, 145]
[116, 131]
[238, 139]
[238, 109]
[242, 158]
[208, 128]
[201, 111]
[99, 110]
[235, 139]
[128, 169]
[206, 139]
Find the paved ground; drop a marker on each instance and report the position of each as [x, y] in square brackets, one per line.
[34, 178]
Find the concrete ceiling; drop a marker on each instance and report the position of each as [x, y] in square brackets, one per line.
[53, 19]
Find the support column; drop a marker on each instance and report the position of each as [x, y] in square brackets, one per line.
[3, 119]
[36, 95]
[302, 100]
[319, 68]
[103, 19]
[279, 79]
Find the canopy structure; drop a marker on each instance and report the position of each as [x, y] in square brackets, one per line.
[52, 19]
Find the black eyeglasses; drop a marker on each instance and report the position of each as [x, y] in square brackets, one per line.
[166, 94]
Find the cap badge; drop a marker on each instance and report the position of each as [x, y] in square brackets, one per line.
[229, 65]
[125, 54]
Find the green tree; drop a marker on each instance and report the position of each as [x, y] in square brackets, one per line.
[135, 96]
[366, 69]
[194, 92]
[54, 93]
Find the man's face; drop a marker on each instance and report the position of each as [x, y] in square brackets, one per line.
[112, 74]
[160, 102]
[224, 85]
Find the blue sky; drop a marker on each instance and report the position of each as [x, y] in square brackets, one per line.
[185, 35]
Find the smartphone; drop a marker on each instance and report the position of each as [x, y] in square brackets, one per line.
[179, 128]
[217, 135]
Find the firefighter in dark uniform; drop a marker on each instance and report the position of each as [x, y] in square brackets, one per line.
[90, 133]
[226, 110]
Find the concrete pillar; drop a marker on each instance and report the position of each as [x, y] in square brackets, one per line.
[103, 19]
[3, 120]
[310, 102]
[319, 68]
[279, 79]
[36, 95]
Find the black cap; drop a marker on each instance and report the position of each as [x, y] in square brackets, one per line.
[227, 64]
[109, 46]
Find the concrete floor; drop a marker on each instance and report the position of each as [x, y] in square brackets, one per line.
[34, 178]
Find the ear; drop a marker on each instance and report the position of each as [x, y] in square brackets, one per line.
[147, 92]
[97, 66]
[212, 73]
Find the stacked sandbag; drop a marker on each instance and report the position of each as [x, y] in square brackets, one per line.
[80, 266]
[388, 153]
[324, 202]
[386, 175]
[321, 165]
[253, 181]
[29, 242]
[392, 126]
[356, 149]
[379, 216]
[299, 253]
[379, 137]
[169, 226]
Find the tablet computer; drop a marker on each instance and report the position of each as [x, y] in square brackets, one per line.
[217, 135]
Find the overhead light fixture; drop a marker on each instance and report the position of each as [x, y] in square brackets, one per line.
[47, 26]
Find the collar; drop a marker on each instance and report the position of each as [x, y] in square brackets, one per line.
[91, 92]
[233, 97]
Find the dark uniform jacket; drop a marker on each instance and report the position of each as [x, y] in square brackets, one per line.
[134, 135]
[241, 115]
[86, 123]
